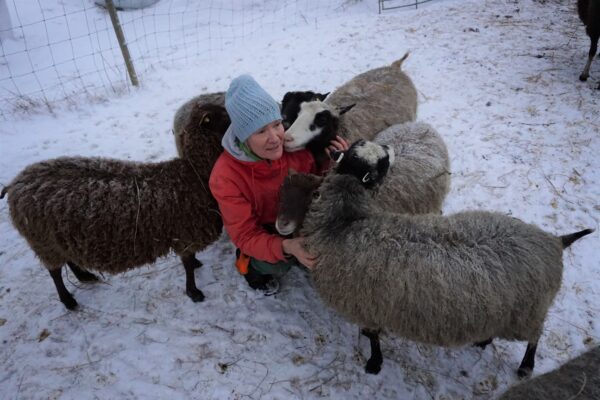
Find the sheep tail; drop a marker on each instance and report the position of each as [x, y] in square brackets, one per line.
[568, 240]
[4, 191]
[398, 63]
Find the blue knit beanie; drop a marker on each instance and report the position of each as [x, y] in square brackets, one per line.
[249, 106]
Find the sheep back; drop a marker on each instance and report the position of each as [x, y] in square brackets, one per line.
[111, 215]
[383, 97]
[576, 379]
[440, 280]
[418, 181]
[185, 112]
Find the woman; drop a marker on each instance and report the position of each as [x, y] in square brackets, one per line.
[245, 182]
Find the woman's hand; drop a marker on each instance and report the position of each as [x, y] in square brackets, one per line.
[295, 247]
[337, 144]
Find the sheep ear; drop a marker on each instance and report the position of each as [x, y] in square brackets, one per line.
[321, 97]
[345, 109]
[336, 156]
[292, 171]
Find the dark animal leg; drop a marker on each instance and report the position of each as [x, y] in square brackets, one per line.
[484, 343]
[65, 297]
[374, 363]
[190, 263]
[81, 274]
[593, 49]
[526, 367]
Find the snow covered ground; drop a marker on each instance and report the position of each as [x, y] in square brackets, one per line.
[498, 79]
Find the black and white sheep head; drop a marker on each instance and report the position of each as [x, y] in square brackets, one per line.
[295, 196]
[317, 124]
[290, 105]
[204, 131]
[367, 161]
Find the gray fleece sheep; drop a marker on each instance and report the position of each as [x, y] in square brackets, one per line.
[417, 183]
[449, 281]
[359, 109]
[577, 379]
[382, 97]
[112, 216]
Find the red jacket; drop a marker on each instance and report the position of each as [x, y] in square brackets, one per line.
[248, 197]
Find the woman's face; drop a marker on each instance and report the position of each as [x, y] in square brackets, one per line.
[267, 142]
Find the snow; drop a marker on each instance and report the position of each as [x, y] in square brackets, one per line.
[498, 79]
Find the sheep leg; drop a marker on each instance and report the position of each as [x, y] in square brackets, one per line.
[526, 367]
[65, 297]
[593, 48]
[81, 274]
[484, 343]
[190, 263]
[374, 363]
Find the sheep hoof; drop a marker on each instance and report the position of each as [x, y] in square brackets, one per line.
[71, 303]
[483, 344]
[372, 367]
[524, 373]
[583, 77]
[196, 295]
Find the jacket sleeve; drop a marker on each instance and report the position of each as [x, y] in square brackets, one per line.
[241, 225]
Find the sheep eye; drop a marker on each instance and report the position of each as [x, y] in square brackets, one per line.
[320, 120]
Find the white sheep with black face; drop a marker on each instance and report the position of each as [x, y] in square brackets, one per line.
[290, 104]
[443, 280]
[359, 109]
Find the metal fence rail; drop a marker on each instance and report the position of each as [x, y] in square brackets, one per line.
[399, 4]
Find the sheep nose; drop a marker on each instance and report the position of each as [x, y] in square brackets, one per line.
[288, 139]
[284, 226]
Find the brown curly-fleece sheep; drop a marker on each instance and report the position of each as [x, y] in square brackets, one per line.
[181, 122]
[112, 216]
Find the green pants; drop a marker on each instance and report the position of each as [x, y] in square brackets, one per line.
[278, 269]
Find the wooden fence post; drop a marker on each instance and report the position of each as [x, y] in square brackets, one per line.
[110, 6]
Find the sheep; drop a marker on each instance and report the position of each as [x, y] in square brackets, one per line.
[589, 13]
[416, 184]
[577, 379]
[187, 112]
[359, 109]
[290, 105]
[442, 280]
[111, 215]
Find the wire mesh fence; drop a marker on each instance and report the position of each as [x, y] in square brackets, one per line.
[66, 53]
